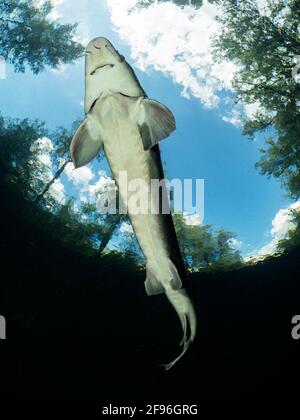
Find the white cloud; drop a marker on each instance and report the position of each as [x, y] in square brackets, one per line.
[126, 228]
[55, 13]
[103, 187]
[80, 177]
[234, 243]
[263, 7]
[62, 71]
[177, 42]
[104, 183]
[234, 117]
[105, 192]
[42, 168]
[42, 144]
[57, 191]
[281, 224]
[45, 160]
[42, 163]
[192, 219]
[61, 11]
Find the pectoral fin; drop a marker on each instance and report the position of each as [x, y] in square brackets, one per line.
[86, 142]
[155, 122]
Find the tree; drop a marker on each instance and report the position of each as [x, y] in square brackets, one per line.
[108, 225]
[60, 155]
[194, 3]
[28, 156]
[111, 223]
[293, 239]
[128, 244]
[16, 139]
[29, 37]
[52, 181]
[201, 248]
[71, 231]
[105, 225]
[264, 46]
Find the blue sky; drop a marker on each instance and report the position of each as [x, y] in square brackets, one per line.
[204, 146]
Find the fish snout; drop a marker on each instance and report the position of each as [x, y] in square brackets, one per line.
[98, 43]
[101, 49]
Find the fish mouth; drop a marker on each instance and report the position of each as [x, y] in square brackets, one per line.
[107, 65]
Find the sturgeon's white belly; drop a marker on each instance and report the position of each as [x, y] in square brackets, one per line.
[125, 153]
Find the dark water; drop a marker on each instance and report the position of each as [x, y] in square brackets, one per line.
[78, 329]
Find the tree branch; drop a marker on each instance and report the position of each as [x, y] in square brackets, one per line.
[56, 176]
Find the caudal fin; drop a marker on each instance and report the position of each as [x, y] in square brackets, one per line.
[186, 313]
[164, 278]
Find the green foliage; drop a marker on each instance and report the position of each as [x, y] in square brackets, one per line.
[181, 3]
[22, 167]
[293, 239]
[60, 157]
[264, 45]
[16, 139]
[104, 225]
[202, 249]
[107, 228]
[29, 37]
[71, 232]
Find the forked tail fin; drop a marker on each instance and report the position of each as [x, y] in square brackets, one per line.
[164, 278]
[186, 313]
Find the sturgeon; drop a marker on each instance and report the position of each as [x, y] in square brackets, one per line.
[127, 125]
